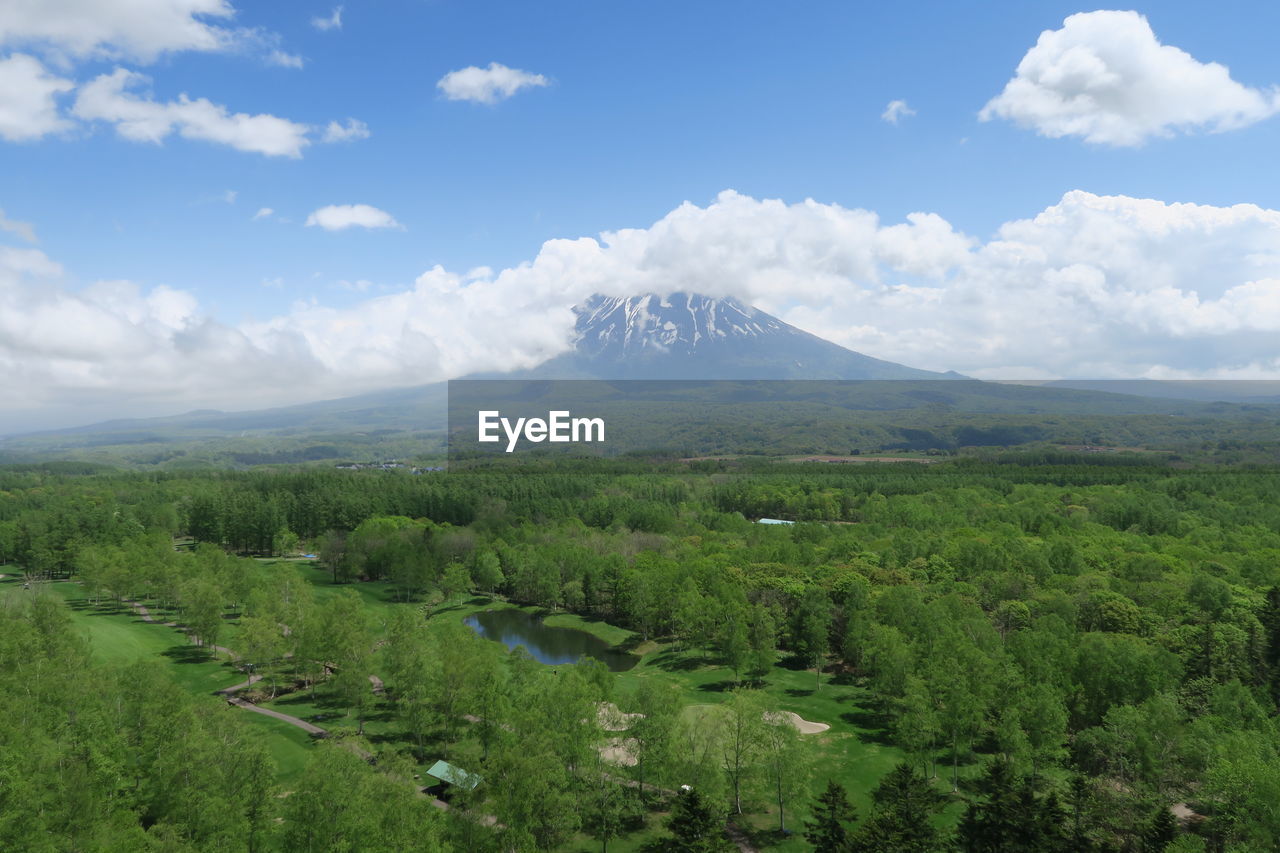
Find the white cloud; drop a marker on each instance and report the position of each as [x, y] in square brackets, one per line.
[333, 22]
[340, 132]
[1093, 286]
[67, 32]
[263, 213]
[336, 217]
[487, 85]
[1106, 78]
[28, 105]
[143, 119]
[22, 229]
[136, 29]
[895, 111]
[284, 59]
[230, 196]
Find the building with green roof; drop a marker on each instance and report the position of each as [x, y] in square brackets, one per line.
[456, 776]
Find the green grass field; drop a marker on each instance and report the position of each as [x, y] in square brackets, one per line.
[118, 636]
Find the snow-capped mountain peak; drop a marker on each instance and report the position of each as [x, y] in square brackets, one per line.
[680, 323]
[691, 336]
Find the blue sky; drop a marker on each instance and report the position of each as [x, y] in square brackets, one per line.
[642, 107]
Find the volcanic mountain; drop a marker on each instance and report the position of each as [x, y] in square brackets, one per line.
[690, 336]
[680, 336]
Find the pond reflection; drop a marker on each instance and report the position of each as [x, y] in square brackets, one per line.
[547, 644]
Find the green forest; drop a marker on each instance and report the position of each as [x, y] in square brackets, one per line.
[1035, 651]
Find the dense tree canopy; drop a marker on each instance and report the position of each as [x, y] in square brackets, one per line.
[1079, 646]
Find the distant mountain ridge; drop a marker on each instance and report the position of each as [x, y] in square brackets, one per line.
[691, 336]
[680, 336]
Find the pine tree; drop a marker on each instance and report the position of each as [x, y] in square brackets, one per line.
[991, 822]
[1009, 817]
[695, 828]
[1080, 798]
[901, 821]
[829, 831]
[1161, 831]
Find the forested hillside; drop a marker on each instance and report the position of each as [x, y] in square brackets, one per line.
[1039, 652]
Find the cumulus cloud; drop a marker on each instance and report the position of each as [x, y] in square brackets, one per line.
[487, 85]
[895, 111]
[22, 229]
[345, 132]
[28, 105]
[332, 22]
[136, 29]
[284, 59]
[141, 118]
[1092, 286]
[336, 217]
[68, 32]
[1106, 78]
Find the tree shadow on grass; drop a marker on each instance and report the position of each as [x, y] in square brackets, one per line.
[793, 662]
[721, 686]
[873, 726]
[630, 643]
[385, 737]
[844, 678]
[448, 608]
[328, 704]
[83, 605]
[187, 654]
[381, 715]
[799, 692]
[393, 595]
[673, 661]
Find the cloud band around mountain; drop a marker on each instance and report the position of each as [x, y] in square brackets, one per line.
[1096, 286]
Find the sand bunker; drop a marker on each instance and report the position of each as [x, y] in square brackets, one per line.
[805, 727]
[611, 719]
[620, 751]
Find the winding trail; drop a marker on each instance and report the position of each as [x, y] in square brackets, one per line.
[236, 688]
[232, 699]
[145, 614]
[379, 689]
[229, 692]
[293, 721]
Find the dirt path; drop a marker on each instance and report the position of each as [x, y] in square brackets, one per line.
[310, 728]
[293, 721]
[145, 614]
[142, 611]
[236, 688]
[738, 837]
[229, 692]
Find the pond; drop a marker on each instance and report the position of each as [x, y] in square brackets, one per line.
[514, 627]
